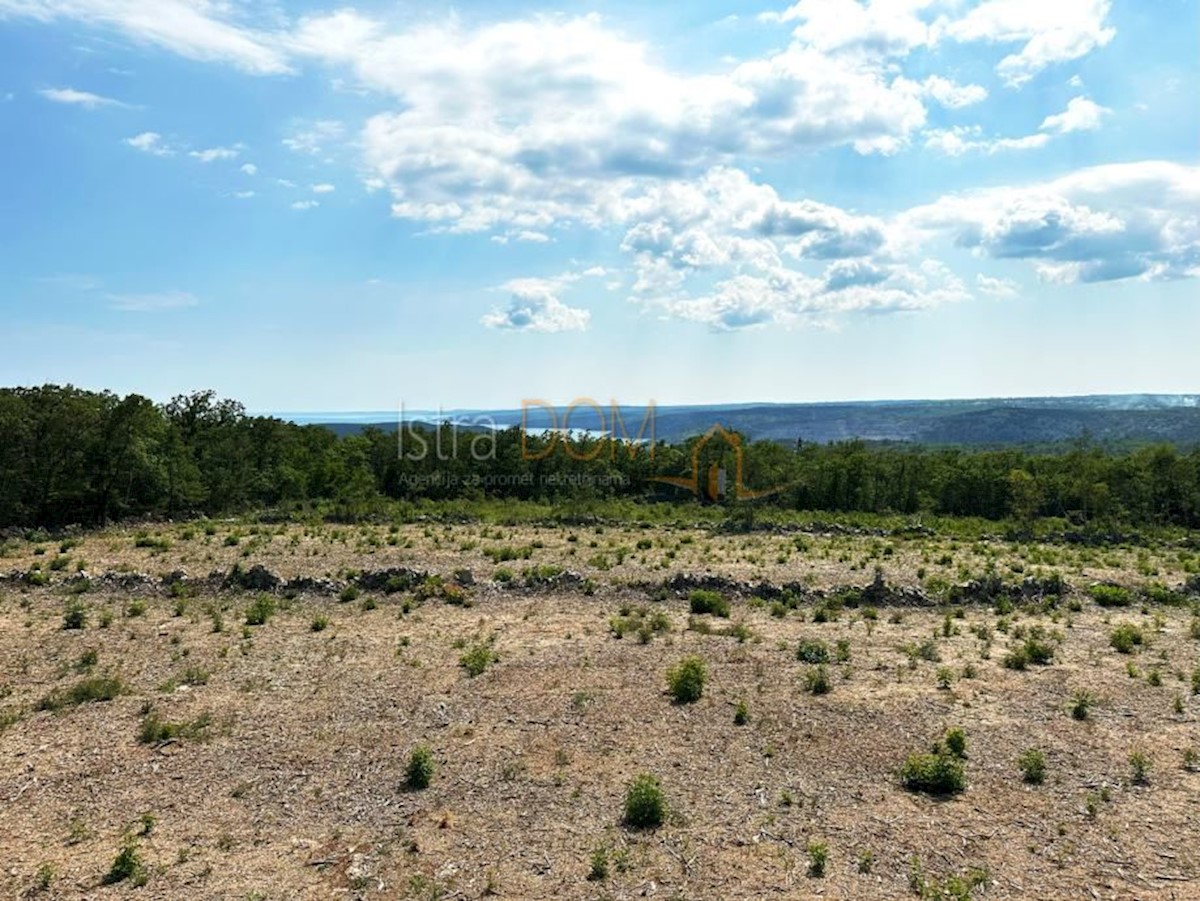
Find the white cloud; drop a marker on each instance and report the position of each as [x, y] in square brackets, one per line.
[304, 205]
[323, 189]
[967, 139]
[1100, 224]
[150, 142]
[1052, 32]
[196, 29]
[951, 94]
[315, 137]
[78, 98]
[1081, 114]
[244, 195]
[152, 303]
[520, 124]
[891, 27]
[997, 287]
[249, 169]
[215, 153]
[534, 306]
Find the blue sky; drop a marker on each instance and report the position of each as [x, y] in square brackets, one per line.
[312, 206]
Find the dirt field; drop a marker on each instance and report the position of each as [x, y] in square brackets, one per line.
[269, 761]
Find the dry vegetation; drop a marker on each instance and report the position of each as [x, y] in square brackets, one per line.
[152, 739]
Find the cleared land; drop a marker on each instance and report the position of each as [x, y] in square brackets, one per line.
[269, 761]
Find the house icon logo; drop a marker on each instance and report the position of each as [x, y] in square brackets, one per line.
[714, 485]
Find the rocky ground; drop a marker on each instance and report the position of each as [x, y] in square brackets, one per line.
[141, 709]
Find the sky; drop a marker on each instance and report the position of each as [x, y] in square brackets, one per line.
[319, 207]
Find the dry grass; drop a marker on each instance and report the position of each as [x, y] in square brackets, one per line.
[296, 787]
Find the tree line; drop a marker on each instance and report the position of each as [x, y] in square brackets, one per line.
[71, 456]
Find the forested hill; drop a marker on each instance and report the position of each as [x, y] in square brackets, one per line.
[1114, 420]
[71, 456]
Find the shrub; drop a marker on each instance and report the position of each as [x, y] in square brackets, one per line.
[156, 731]
[261, 611]
[812, 650]
[319, 623]
[1038, 651]
[1139, 764]
[477, 659]
[817, 680]
[741, 714]
[1033, 766]
[818, 857]
[349, 594]
[1111, 595]
[88, 691]
[127, 866]
[419, 772]
[1017, 658]
[76, 616]
[1126, 638]
[841, 651]
[599, 865]
[645, 807]
[1081, 704]
[940, 773]
[702, 601]
[956, 742]
[686, 680]
[945, 677]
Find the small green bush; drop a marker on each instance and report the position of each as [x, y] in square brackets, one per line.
[645, 807]
[260, 612]
[76, 616]
[741, 714]
[956, 742]
[1081, 704]
[1111, 595]
[88, 691]
[686, 680]
[1126, 638]
[1139, 765]
[702, 601]
[817, 681]
[812, 650]
[940, 773]
[477, 659]
[419, 772]
[1033, 766]
[818, 858]
[127, 866]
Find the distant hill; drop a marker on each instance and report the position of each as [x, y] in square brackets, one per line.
[1113, 419]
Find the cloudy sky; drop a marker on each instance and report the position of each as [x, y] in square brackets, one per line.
[315, 207]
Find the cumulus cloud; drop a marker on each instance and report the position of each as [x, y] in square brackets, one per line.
[305, 205]
[1104, 223]
[534, 306]
[150, 142]
[86, 99]
[1081, 114]
[249, 169]
[952, 95]
[1052, 32]
[323, 189]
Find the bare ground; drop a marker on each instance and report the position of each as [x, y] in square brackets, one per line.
[296, 787]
